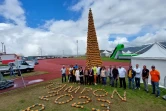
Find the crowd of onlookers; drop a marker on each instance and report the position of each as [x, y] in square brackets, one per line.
[98, 75]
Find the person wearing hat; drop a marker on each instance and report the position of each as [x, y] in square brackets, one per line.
[63, 71]
[155, 78]
[131, 75]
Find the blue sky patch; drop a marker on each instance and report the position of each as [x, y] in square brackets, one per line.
[39, 11]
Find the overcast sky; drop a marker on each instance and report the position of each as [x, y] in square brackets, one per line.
[55, 25]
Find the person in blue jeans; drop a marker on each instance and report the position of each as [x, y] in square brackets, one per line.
[155, 78]
[63, 71]
[11, 71]
[131, 75]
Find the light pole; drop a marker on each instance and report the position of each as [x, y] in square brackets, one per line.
[2, 46]
[40, 51]
[77, 48]
[4, 49]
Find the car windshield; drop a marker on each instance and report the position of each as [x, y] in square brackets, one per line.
[24, 63]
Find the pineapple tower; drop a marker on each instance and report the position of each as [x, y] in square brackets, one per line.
[93, 54]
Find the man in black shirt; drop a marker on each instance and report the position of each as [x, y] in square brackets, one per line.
[115, 74]
[145, 76]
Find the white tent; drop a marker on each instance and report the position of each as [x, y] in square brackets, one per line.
[123, 52]
[105, 52]
[156, 55]
[128, 52]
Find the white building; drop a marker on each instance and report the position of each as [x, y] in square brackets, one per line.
[6, 58]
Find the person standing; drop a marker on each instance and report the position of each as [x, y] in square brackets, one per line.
[122, 75]
[155, 78]
[103, 75]
[74, 77]
[11, 71]
[131, 75]
[91, 76]
[145, 76]
[115, 74]
[63, 71]
[110, 75]
[76, 66]
[98, 74]
[86, 75]
[71, 73]
[81, 76]
[77, 75]
[68, 73]
[137, 76]
[95, 73]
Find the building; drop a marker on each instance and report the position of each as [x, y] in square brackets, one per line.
[6, 58]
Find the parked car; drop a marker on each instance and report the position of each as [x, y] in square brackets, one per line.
[21, 65]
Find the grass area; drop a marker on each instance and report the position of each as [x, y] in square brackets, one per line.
[113, 60]
[3, 65]
[137, 100]
[27, 74]
[106, 59]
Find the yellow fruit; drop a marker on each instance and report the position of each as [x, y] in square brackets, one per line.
[93, 109]
[73, 105]
[102, 104]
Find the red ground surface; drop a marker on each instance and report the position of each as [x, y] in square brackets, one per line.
[53, 66]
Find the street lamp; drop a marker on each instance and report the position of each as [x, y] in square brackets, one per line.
[2, 46]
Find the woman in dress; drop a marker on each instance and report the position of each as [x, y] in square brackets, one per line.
[77, 75]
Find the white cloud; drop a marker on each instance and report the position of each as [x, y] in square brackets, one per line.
[12, 10]
[159, 36]
[110, 17]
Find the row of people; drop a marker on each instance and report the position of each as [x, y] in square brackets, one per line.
[99, 75]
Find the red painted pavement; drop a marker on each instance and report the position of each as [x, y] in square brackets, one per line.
[53, 66]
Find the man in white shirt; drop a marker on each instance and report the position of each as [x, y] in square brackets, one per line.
[122, 75]
[63, 71]
[98, 74]
[137, 76]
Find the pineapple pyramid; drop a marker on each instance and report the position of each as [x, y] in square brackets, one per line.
[93, 54]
